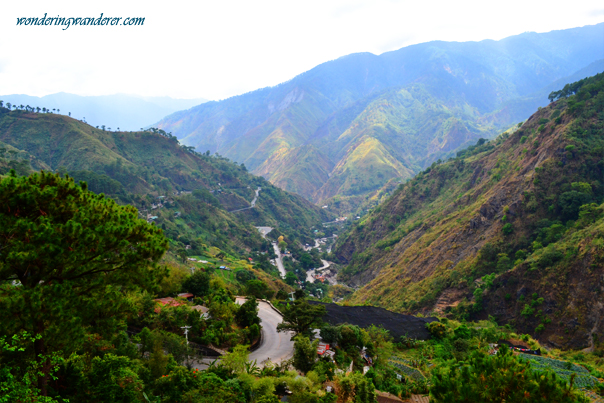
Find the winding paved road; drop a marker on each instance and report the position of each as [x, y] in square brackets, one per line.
[252, 204]
[310, 275]
[274, 346]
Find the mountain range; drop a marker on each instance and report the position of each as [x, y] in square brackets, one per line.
[126, 112]
[341, 131]
[512, 228]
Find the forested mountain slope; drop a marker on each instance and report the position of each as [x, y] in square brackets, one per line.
[348, 126]
[512, 227]
[139, 167]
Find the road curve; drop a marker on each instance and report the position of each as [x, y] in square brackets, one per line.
[252, 204]
[310, 275]
[274, 346]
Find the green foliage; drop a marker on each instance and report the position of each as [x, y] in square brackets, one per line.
[19, 384]
[247, 314]
[235, 360]
[437, 329]
[569, 89]
[243, 276]
[197, 284]
[305, 353]
[258, 289]
[570, 203]
[330, 334]
[507, 229]
[566, 370]
[204, 195]
[483, 378]
[357, 388]
[301, 317]
[589, 214]
[290, 278]
[75, 255]
[112, 379]
[528, 311]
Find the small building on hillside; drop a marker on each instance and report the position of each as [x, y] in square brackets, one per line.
[204, 312]
[168, 301]
[186, 295]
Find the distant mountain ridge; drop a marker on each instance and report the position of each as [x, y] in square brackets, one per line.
[403, 110]
[128, 112]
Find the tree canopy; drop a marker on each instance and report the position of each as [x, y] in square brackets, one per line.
[501, 378]
[301, 317]
[68, 258]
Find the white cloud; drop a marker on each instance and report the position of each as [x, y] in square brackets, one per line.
[216, 49]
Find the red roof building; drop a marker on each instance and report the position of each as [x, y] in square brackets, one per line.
[168, 301]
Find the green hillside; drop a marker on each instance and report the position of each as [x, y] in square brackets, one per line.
[403, 110]
[506, 219]
[139, 167]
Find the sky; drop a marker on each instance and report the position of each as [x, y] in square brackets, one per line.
[221, 48]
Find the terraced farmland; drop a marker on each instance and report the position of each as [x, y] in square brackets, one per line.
[404, 366]
[564, 369]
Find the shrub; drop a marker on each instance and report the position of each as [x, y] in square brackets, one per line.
[527, 311]
[503, 377]
[437, 330]
[507, 229]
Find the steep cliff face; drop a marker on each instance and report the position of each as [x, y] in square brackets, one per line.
[504, 224]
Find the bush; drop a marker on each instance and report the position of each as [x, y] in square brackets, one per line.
[549, 256]
[503, 377]
[437, 330]
[507, 229]
[247, 314]
[305, 353]
[197, 284]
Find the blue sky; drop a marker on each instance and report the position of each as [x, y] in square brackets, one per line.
[217, 49]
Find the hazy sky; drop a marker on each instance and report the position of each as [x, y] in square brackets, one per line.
[216, 49]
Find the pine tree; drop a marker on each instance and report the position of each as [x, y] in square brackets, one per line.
[67, 259]
[501, 378]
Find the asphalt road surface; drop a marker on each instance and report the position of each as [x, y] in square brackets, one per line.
[275, 346]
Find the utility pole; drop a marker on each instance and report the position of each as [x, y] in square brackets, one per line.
[292, 295]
